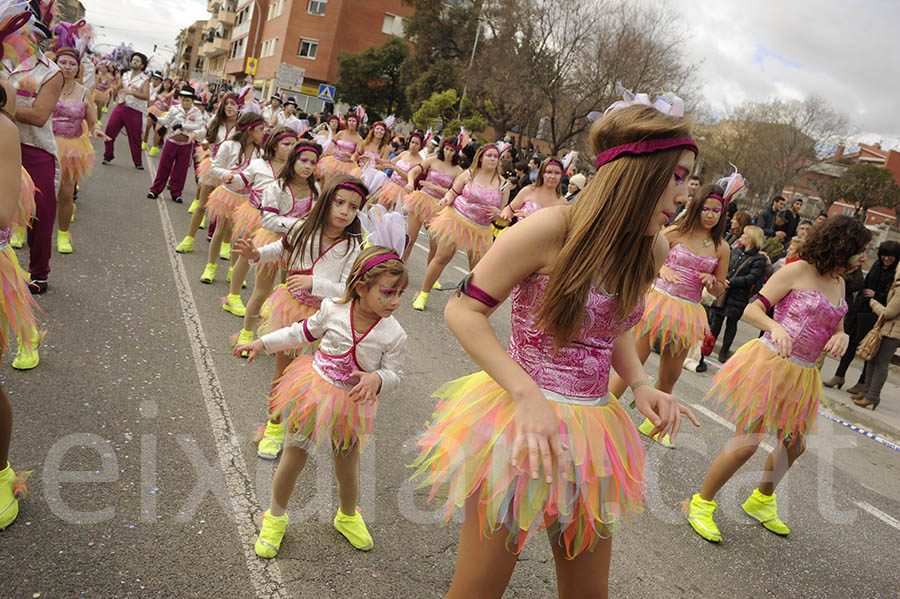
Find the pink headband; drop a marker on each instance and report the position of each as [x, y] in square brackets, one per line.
[557, 163]
[68, 52]
[718, 197]
[489, 147]
[304, 148]
[285, 135]
[646, 147]
[251, 124]
[353, 187]
[373, 262]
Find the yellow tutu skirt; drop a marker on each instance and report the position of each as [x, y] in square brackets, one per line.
[281, 309]
[389, 195]
[466, 450]
[222, 204]
[757, 385]
[246, 221]
[329, 166]
[157, 112]
[17, 306]
[204, 176]
[450, 228]
[261, 238]
[678, 324]
[25, 209]
[76, 156]
[315, 411]
[421, 205]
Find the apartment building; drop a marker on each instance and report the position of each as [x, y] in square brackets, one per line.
[216, 39]
[187, 62]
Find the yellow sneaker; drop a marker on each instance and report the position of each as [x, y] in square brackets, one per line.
[437, 286]
[209, 273]
[74, 209]
[186, 246]
[354, 529]
[26, 358]
[244, 336]
[232, 303]
[646, 428]
[12, 488]
[420, 301]
[105, 109]
[764, 509]
[203, 222]
[193, 207]
[700, 517]
[143, 145]
[63, 242]
[17, 241]
[271, 533]
[154, 151]
[225, 251]
[273, 440]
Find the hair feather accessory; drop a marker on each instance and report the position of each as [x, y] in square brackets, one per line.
[384, 227]
[734, 185]
[360, 114]
[463, 140]
[325, 140]
[568, 159]
[665, 102]
[298, 126]
[389, 121]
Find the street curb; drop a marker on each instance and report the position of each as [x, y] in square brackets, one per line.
[861, 418]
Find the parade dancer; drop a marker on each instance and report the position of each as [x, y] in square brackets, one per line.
[535, 442]
[330, 398]
[233, 156]
[133, 92]
[162, 97]
[698, 260]
[103, 88]
[346, 141]
[426, 184]
[771, 385]
[464, 222]
[546, 191]
[182, 122]
[393, 191]
[375, 148]
[318, 253]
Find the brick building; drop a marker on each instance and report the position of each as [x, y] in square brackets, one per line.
[214, 50]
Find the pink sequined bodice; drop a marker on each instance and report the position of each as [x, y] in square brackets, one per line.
[337, 368]
[687, 264]
[300, 208]
[344, 150]
[530, 208]
[474, 200]
[580, 369]
[67, 118]
[438, 178]
[810, 319]
[398, 177]
[5, 235]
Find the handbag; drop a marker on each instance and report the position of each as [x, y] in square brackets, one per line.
[720, 300]
[871, 343]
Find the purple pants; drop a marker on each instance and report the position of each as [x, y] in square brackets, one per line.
[132, 120]
[174, 160]
[42, 167]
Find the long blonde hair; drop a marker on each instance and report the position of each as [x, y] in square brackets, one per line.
[606, 241]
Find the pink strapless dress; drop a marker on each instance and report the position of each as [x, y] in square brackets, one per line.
[465, 224]
[338, 162]
[423, 203]
[76, 154]
[393, 190]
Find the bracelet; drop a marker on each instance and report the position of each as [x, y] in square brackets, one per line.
[640, 383]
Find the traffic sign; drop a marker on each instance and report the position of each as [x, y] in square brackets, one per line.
[289, 77]
[251, 66]
[326, 92]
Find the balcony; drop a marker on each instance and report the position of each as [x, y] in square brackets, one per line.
[226, 17]
[214, 48]
[213, 5]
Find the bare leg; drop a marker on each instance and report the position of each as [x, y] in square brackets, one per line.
[586, 576]
[436, 266]
[616, 385]
[412, 231]
[293, 460]
[241, 268]
[669, 369]
[346, 470]
[222, 231]
[200, 212]
[6, 421]
[777, 464]
[432, 250]
[740, 449]
[262, 289]
[65, 203]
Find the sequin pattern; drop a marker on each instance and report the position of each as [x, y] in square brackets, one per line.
[399, 175]
[810, 319]
[67, 118]
[438, 178]
[5, 235]
[473, 202]
[337, 369]
[344, 150]
[687, 264]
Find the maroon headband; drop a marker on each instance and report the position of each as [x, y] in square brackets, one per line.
[294, 135]
[718, 197]
[556, 162]
[353, 187]
[251, 124]
[68, 52]
[317, 150]
[646, 147]
[373, 262]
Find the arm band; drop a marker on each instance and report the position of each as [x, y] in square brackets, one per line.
[764, 301]
[476, 293]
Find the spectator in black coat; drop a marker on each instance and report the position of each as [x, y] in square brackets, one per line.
[766, 218]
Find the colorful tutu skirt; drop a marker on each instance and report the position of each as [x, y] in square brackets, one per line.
[466, 450]
[450, 228]
[101, 96]
[421, 205]
[757, 385]
[315, 411]
[261, 238]
[246, 221]
[389, 195]
[222, 204]
[204, 176]
[156, 111]
[330, 166]
[17, 306]
[281, 309]
[76, 156]
[677, 323]
[25, 209]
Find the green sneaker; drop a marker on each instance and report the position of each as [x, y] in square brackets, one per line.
[764, 509]
[437, 286]
[193, 207]
[17, 241]
[420, 301]
[209, 273]
[700, 517]
[271, 534]
[186, 246]
[74, 209]
[233, 304]
[225, 251]
[154, 151]
[143, 145]
[273, 440]
[12, 488]
[26, 360]
[203, 222]
[354, 529]
[646, 428]
[63, 242]
[241, 338]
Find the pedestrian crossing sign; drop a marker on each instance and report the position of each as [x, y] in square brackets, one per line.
[326, 93]
[251, 66]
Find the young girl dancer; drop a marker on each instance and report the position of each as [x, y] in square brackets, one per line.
[698, 259]
[218, 131]
[546, 191]
[76, 154]
[331, 397]
[182, 123]
[577, 276]
[392, 192]
[319, 253]
[346, 141]
[233, 156]
[426, 184]
[464, 222]
[771, 384]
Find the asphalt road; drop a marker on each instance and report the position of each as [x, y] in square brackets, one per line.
[138, 426]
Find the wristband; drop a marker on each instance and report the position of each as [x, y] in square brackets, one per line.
[637, 384]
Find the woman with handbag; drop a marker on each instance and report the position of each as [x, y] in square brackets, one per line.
[880, 347]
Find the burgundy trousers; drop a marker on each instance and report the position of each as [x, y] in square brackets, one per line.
[174, 161]
[42, 167]
[133, 121]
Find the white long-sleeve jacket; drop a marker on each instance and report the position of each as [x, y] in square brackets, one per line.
[330, 269]
[280, 209]
[191, 122]
[228, 159]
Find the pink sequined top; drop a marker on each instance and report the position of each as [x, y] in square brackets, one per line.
[530, 208]
[438, 178]
[67, 118]
[810, 319]
[687, 264]
[473, 202]
[5, 235]
[578, 372]
[344, 150]
[398, 177]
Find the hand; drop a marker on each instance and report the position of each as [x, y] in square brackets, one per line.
[367, 388]
[783, 342]
[99, 133]
[228, 178]
[537, 433]
[663, 410]
[667, 274]
[245, 248]
[409, 188]
[709, 280]
[297, 283]
[506, 214]
[869, 292]
[838, 344]
[493, 212]
[253, 349]
[780, 235]
[727, 284]
[445, 201]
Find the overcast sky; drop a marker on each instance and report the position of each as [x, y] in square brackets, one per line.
[844, 50]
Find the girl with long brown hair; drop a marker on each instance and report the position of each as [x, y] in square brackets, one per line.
[535, 441]
[546, 191]
[375, 148]
[346, 141]
[392, 192]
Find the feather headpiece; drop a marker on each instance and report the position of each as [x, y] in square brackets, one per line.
[734, 185]
[666, 103]
[384, 227]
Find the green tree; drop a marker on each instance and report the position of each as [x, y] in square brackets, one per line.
[373, 79]
[868, 186]
[447, 111]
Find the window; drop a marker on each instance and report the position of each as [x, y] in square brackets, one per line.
[393, 25]
[269, 47]
[308, 48]
[316, 7]
[276, 9]
[237, 49]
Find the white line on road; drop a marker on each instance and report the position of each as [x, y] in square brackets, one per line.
[265, 575]
[719, 420]
[887, 519]
[425, 249]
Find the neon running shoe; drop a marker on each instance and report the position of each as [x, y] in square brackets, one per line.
[420, 301]
[193, 207]
[17, 241]
[105, 109]
[209, 273]
[646, 428]
[271, 534]
[354, 529]
[764, 509]
[186, 246]
[273, 440]
[143, 145]
[203, 222]
[700, 517]
[437, 286]
[12, 488]
[26, 360]
[74, 208]
[154, 151]
[228, 278]
[63, 242]
[244, 336]
[234, 305]
[225, 251]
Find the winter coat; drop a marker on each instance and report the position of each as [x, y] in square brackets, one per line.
[743, 284]
[878, 279]
[890, 312]
[766, 221]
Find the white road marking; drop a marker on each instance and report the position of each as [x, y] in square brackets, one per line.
[719, 420]
[887, 519]
[425, 249]
[265, 575]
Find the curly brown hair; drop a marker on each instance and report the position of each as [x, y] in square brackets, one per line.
[830, 246]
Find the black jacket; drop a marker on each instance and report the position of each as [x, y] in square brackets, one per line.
[743, 284]
[879, 280]
[766, 221]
